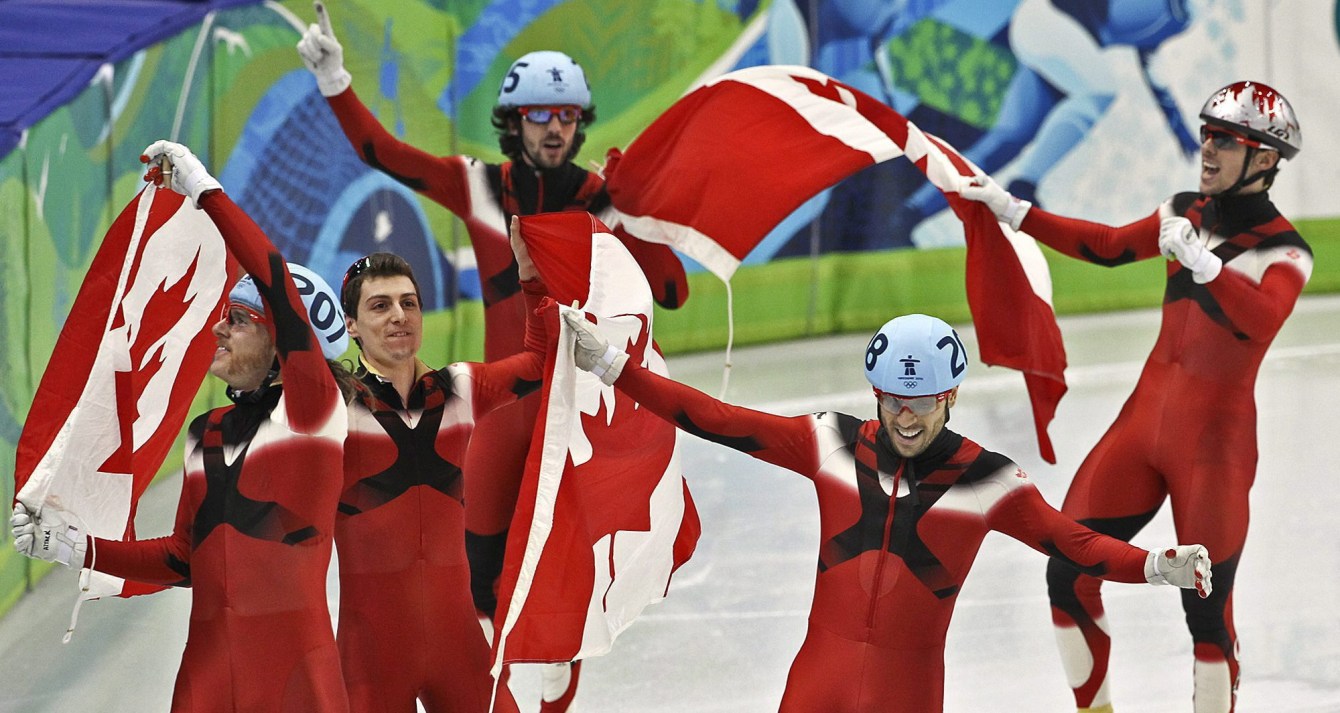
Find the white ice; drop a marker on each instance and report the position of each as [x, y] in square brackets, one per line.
[724, 639]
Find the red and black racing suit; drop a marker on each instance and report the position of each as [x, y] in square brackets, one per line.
[407, 625]
[485, 197]
[255, 520]
[898, 538]
[1188, 431]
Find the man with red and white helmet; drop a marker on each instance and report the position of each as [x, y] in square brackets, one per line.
[544, 105]
[904, 504]
[1188, 432]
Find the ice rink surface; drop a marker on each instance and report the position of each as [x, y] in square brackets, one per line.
[724, 638]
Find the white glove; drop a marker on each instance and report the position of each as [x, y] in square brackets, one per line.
[1008, 209]
[54, 542]
[1178, 239]
[323, 55]
[591, 352]
[180, 169]
[1184, 566]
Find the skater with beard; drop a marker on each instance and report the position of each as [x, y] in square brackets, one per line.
[544, 106]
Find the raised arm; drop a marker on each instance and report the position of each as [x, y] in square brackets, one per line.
[307, 377]
[498, 383]
[442, 179]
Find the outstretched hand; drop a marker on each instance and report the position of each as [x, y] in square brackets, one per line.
[323, 55]
[1008, 209]
[1183, 566]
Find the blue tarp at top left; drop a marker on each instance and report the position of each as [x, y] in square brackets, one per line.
[51, 49]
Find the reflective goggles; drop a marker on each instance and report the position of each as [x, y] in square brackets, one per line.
[356, 269]
[542, 114]
[919, 405]
[232, 310]
[1223, 138]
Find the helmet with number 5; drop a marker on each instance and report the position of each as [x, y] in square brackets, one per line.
[544, 78]
[915, 355]
[1258, 111]
[323, 307]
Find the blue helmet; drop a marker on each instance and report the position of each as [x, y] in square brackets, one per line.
[915, 355]
[323, 307]
[544, 78]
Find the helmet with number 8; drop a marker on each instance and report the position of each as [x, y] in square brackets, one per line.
[323, 307]
[1258, 111]
[915, 355]
[544, 78]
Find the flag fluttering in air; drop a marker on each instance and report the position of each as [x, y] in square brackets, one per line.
[709, 177]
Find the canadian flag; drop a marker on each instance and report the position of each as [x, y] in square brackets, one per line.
[605, 517]
[127, 364]
[728, 161]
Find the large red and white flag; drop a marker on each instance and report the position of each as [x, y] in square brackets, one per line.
[605, 517]
[130, 358]
[727, 162]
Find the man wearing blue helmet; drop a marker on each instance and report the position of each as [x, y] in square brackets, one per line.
[904, 504]
[256, 517]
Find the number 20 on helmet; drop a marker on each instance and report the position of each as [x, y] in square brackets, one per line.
[915, 355]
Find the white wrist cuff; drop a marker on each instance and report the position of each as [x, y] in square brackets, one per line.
[605, 361]
[69, 547]
[1152, 573]
[609, 365]
[1207, 267]
[1015, 212]
[333, 83]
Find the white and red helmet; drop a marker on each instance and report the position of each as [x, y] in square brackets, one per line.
[1258, 111]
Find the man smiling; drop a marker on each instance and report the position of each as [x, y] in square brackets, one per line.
[904, 504]
[1188, 432]
[252, 536]
[407, 625]
[543, 108]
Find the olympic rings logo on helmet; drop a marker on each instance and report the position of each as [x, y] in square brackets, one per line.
[915, 355]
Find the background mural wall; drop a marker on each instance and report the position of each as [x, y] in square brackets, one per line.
[1087, 107]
